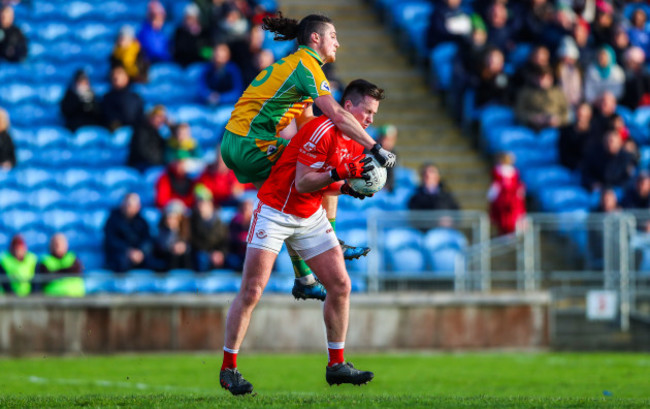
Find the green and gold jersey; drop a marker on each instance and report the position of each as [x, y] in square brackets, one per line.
[278, 94]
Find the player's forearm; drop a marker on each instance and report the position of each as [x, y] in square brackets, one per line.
[350, 127]
[312, 181]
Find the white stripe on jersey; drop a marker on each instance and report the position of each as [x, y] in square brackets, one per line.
[286, 200]
[320, 131]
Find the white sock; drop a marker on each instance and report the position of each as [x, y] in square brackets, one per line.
[336, 345]
[307, 280]
[232, 351]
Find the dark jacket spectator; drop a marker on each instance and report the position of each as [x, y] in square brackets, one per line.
[147, 146]
[189, 40]
[584, 42]
[210, 237]
[120, 105]
[575, 138]
[636, 91]
[607, 165]
[502, 32]
[17, 268]
[79, 105]
[448, 22]
[493, 84]
[527, 73]
[238, 228]
[13, 44]
[174, 183]
[7, 148]
[221, 182]
[542, 104]
[638, 196]
[60, 270]
[129, 54]
[604, 113]
[172, 246]
[431, 194]
[222, 82]
[152, 37]
[604, 25]
[127, 241]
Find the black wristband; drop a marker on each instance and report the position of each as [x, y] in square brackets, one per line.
[375, 148]
[334, 175]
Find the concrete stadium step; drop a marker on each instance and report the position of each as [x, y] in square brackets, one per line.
[426, 133]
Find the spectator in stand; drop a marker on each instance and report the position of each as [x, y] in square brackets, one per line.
[189, 41]
[493, 84]
[152, 36]
[538, 58]
[542, 104]
[607, 165]
[239, 226]
[79, 106]
[575, 138]
[621, 43]
[221, 183]
[638, 197]
[7, 148]
[604, 26]
[431, 194]
[471, 52]
[388, 139]
[147, 146]
[538, 22]
[172, 245]
[595, 238]
[637, 32]
[17, 268]
[608, 202]
[636, 91]
[234, 30]
[129, 54]
[127, 241]
[568, 73]
[448, 23]
[121, 106]
[210, 237]
[247, 60]
[583, 41]
[222, 82]
[507, 194]
[604, 75]
[502, 32]
[604, 113]
[13, 44]
[57, 269]
[175, 183]
[181, 146]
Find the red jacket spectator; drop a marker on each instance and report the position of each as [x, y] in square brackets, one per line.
[222, 183]
[506, 195]
[174, 184]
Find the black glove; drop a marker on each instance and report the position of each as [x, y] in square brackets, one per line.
[357, 167]
[385, 158]
[347, 190]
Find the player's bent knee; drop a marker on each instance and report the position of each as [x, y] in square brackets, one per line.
[251, 294]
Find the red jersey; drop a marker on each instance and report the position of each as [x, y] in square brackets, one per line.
[319, 145]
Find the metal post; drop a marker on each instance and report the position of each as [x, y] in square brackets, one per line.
[624, 266]
[373, 261]
[485, 268]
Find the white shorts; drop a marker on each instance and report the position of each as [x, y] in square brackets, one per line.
[308, 237]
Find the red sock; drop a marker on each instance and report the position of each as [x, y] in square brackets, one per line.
[335, 353]
[229, 359]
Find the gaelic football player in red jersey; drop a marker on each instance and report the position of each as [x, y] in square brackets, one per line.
[315, 162]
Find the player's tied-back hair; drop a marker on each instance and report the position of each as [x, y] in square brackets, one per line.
[286, 29]
[358, 89]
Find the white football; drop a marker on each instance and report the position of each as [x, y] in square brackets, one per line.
[374, 184]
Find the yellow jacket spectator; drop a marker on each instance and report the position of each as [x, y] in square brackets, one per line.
[128, 54]
[19, 267]
[58, 270]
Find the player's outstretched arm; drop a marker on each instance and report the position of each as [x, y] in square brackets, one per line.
[346, 122]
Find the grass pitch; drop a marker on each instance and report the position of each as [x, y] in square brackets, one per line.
[473, 380]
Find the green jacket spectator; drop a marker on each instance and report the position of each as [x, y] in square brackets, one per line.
[19, 266]
[57, 269]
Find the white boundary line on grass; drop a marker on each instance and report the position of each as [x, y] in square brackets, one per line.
[114, 384]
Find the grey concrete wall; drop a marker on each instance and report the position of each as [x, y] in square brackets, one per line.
[106, 324]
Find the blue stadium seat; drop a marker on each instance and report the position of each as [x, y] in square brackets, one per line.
[442, 57]
[5, 240]
[399, 238]
[442, 237]
[51, 32]
[507, 138]
[517, 57]
[445, 262]
[537, 178]
[76, 10]
[22, 137]
[193, 72]
[62, 52]
[167, 73]
[17, 93]
[642, 124]
[121, 138]
[81, 238]
[152, 174]
[206, 137]
[404, 13]
[47, 198]
[534, 156]
[564, 199]
[75, 178]
[12, 198]
[91, 260]
[279, 284]
[280, 49]
[17, 220]
[407, 260]
[27, 114]
[219, 282]
[37, 239]
[180, 283]
[117, 177]
[91, 137]
[644, 161]
[88, 198]
[405, 177]
[50, 95]
[95, 219]
[130, 283]
[32, 178]
[51, 137]
[97, 281]
[89, 31]
[58, 219]
[152, 215]
[190, 113]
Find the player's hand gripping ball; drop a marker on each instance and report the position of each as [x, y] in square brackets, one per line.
[373, 184]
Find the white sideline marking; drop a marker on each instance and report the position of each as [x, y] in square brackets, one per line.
[110, 384]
